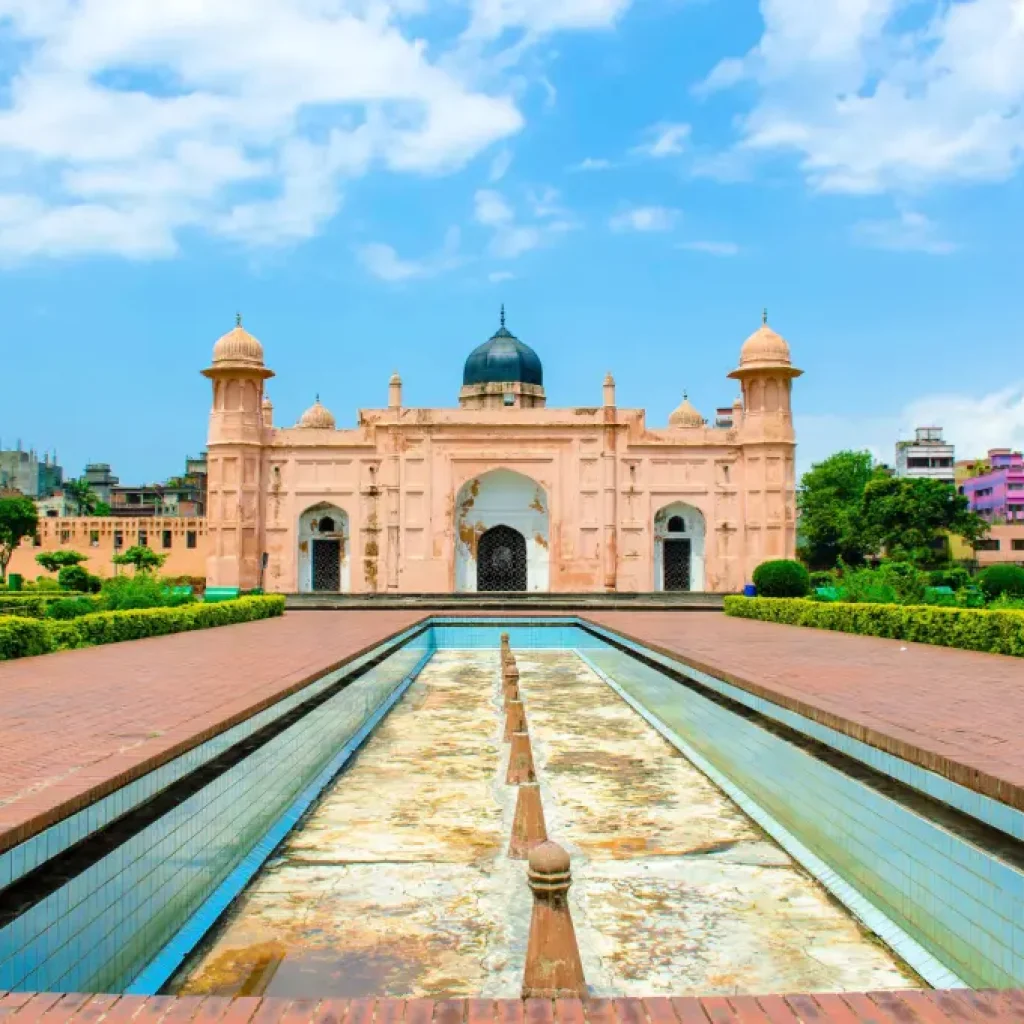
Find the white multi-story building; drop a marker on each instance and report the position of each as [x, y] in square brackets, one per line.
[928, 456]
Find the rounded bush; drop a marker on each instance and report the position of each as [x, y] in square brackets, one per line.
[997, 580]
[782, 578]
[74, 577]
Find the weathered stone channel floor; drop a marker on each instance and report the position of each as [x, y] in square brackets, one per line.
[398, 882]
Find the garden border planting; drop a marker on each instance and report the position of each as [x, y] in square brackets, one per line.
[996, 631]
[22, 637]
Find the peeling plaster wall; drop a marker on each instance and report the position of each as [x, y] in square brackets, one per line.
[693, 520]
[604, 474]
[501, 497]
[310, 529]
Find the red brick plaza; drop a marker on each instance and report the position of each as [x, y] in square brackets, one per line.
[78, 725]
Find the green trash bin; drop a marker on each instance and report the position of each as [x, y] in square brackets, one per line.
[14, 581]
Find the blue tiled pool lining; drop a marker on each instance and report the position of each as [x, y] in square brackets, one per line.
[949, 900]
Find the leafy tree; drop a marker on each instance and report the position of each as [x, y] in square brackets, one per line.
[908, 518]
[76, 577]
[54, 561]
[18, 520]
[82, 495]
[143, 558]
[101, 509]
[830, 498]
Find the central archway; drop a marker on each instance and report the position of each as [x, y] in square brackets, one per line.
[501, 515]
[501, 560]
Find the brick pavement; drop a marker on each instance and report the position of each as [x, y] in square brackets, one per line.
[958, 713]
[77, 725]
[910, 1007]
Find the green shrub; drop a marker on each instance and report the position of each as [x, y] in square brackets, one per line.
[955, 577]
[20, 637]
[30, 606]
[996, 631]
[824, 578]
[42, 583]
[23, 637]
[74, 577]
[999, 580]
[70, 607]
[888, 583]
[143, 590]
[782, 578]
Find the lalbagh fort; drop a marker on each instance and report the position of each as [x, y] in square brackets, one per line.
[504, 492]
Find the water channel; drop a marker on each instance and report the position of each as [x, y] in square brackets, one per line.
[397, 881]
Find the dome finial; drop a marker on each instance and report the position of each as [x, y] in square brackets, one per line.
[238, 319]
[686, 397]
[764, 315]
[317, 398]
[503, 314]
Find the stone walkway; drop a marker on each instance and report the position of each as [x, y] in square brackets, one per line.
[851, 1008]
[958, 713]
[75, 726]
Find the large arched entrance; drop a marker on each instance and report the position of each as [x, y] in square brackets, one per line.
[323, 560]
[501, 560]
[679, 548]
[501, 533]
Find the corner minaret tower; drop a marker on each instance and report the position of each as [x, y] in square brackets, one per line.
[766, 375]
[234, 442]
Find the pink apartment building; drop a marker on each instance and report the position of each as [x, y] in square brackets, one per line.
[502, 492]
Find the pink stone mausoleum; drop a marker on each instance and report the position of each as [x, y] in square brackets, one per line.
[503, 492]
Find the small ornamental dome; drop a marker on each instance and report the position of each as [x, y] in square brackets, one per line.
[764, 348]
[686, 415]
[503, 359]
[548, 858]
[316, 417]
[238, 346]
[268, 405]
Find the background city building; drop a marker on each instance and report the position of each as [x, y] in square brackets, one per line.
[24, 471]
[928, 456]
[997, 493]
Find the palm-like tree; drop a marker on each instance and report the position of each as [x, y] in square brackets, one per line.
[82, 495]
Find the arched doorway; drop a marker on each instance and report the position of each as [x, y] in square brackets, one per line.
[679, 548]
[501, 560]
[501, 498]
[323, 561]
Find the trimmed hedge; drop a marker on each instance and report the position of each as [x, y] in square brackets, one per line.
[31, 605]
[21, 637]
[972, 629]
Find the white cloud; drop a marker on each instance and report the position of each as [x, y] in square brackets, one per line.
[592, 164]
[510, 237]
[972, 423]
[644, 218]
[384, 262]
[500, 165]
[125, 124]
[492, 18]
[883, 94]
[711, 248]
[908, 232]
[497, 276]
[664, 140]
[491, 209]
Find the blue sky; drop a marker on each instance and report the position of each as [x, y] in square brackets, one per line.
[367, 180]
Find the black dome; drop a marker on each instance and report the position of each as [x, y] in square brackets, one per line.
[503, 358]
